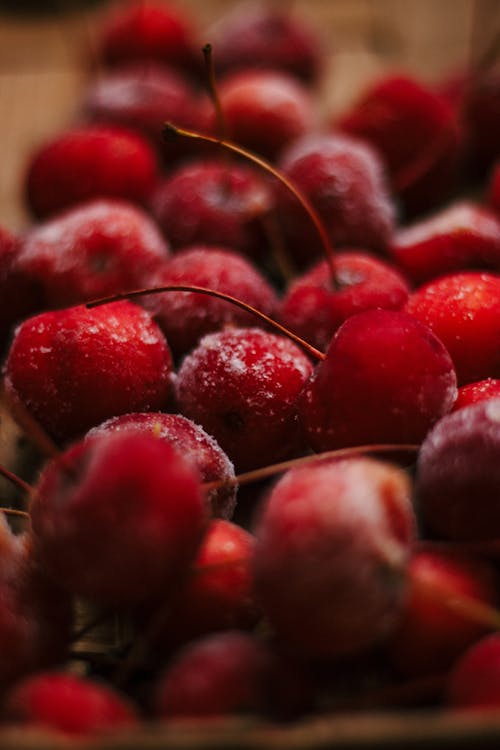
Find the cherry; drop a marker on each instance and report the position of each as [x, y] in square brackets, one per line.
[344, 180]
[415, 131]
[118, 517]
[211, 202]
[251, 36]
[463, 310]
[458, 475]
[242, 386]
[333, 541]
[314, 310]
[473, 393]
[185, 317]
[460, 236]
[386, 378]
[474, 684]
[436, 626]
[98, 248]
[74, 368]
[195, 445]
[18, 297]
[68, 703]
[90, 162]
[481, 107]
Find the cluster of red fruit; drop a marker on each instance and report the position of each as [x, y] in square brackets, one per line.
[330, 598]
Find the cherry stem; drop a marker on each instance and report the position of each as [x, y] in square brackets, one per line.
[469, 608]
[315, 353]
[269, 471]
[24, 486]
[212, 89]
[172, 131]
[16, 513]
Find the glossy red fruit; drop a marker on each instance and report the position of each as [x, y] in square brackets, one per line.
[220, 674]
[333, 542]
[185, 317]
[473, 393]
[344, 180]
[242, 386]
[74, 368]
[118, 518]
[74, 705]
[100, 248]
[458, 476]
[213, 203]
[255, 35]
[195, 445]
[90, 162]
[264, 110]
[459, 237]
[474, 683]
[148, 31]
[434, 630]
[386, 379]
[463, 310]
[416, 133]
[314, 309]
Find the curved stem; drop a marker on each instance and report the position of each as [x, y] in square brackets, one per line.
[24, 486]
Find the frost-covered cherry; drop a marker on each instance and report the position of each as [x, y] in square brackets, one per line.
[100, 248]
[90, 162]
[463, 310]
[195, 445]
[473, 393]
[333, 542]
[386, 378]
[67, 703]
[344, 180]
[185, 317]
[118, 518]
[214, 203]
[458, 474]
[242, 386]
[461, 236]
[314, 308]
[76, 367]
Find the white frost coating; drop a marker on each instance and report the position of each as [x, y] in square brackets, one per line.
[492, 409]
[463, 217]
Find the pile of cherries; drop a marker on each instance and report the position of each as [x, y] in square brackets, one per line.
[327, 337]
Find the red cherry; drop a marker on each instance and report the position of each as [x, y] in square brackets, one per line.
[90, 251]
[314, 310]
[463, 310]
[195, 445]
[474, 684]
[461, 236]
[185, 317]
[92, 162]
[473, 393]
[74, 368]
[330, 559]
[386, 378]
[242, 386]
[344, 180]
[18, 298]
[118, 518]
[69, 704]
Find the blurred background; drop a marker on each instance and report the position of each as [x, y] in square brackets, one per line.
[47, 55]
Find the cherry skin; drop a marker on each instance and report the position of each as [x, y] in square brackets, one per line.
[432, 633]
[474, 684]
[118, 518]
[90, 162]
[185, 317]
[473, 393]
[458, 476]
[459, 237]
[210, 202]
[100, 248]
[255, 35]
[415, 131]
[344, 180]
[70, 704]
[17, 295]
[386, 378]
[463, 310]
[242, 386]
[195, 445]
[333, 541]
[314, 310]
[67, 367]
